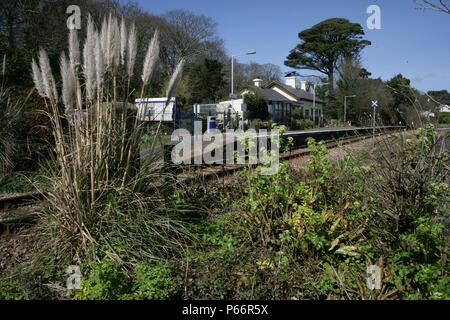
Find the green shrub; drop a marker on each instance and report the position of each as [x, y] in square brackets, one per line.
[302, 124]
[8, 291]
[265, 201]
[106, 280]
[110, 280]
[156, 282]
[256, 106]
[331, 224]
[444, 117]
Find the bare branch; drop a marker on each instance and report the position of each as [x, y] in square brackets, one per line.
[442, 5]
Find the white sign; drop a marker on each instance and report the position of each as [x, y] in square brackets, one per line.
[155, 109]
[375, 104]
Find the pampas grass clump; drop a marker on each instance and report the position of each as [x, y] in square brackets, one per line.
[95, 192]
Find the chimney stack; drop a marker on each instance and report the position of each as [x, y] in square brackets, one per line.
[291, 81]
[258, 82]
[303, 85]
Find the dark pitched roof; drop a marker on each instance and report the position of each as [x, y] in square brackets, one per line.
[268, 94]
[299, 94]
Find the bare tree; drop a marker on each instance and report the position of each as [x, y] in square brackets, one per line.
[267, 72]
[441, 5]
[191, 36]
[245, 73]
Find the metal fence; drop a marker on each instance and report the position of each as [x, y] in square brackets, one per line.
[185, 119]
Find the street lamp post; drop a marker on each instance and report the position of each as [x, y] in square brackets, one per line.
[232, 69]
[314, 100]
[345, 107]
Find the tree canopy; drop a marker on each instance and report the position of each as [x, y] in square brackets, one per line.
[256, 106]
[442, 96]
[324, 44]
[206, 82]
[401, 90]
[28, 25]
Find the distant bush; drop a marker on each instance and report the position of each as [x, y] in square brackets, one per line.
[444, 117]
[258, 124]
[333, 123]
[302, 124]
[256, 107]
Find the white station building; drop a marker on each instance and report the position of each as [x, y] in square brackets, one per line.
[155, 109]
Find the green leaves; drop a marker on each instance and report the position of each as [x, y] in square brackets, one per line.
[401, 90]
[322, 45]
[256, 106]
[205, 82]
[108, 280]
[156, 282]
[318, 164]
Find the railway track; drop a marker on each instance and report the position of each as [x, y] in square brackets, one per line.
[17, 200]
[18, 209]
[188, 173]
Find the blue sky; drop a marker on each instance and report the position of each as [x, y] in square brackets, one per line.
[412, 42]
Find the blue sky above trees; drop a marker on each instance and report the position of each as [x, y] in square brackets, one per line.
[412, 42]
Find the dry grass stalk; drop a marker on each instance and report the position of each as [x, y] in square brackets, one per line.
[132, 49]
[123, 40]
[151, 59]
[97, 154]
[89, 60]
[74, 49]
[174, 80]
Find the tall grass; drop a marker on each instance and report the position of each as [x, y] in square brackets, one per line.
[100, 197]
[10, 117]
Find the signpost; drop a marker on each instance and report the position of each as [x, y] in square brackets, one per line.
[374, 107]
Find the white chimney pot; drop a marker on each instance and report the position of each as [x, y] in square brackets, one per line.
[303, 85]
[291, 82]
[257, 82]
